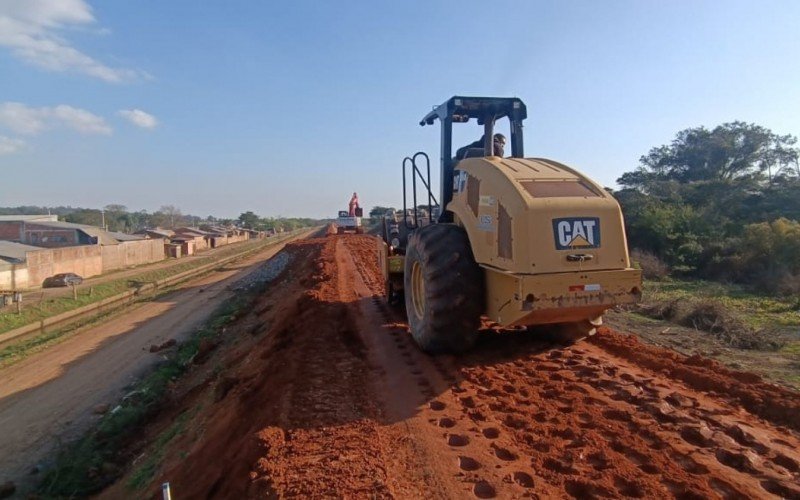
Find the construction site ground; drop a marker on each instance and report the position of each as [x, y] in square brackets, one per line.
[52, 397]
[319, 391]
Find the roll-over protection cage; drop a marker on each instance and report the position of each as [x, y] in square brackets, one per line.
[487, 110]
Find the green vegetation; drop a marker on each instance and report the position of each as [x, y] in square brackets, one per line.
[20, 350]
[250, 220]
[731, 313]
[377, 212]
[95, 461]
[721, 204]
[145, 472]
[46, 308]
[758, 310]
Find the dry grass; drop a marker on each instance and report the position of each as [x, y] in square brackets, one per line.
[712, 316]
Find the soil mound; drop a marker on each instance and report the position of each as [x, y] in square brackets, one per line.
[293, 416]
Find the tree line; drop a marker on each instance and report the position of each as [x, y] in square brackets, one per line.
[250, 220]
[118, 218]
[720, 204]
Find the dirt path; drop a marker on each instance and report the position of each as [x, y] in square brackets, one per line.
[49, 397]
[332, 398]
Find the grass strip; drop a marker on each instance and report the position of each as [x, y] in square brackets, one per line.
[757, 310]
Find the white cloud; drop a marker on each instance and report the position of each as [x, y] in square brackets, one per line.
[139, 118]
[22, 119]
[31, 121]
[32, 29]
[81, 120]
[9, 145]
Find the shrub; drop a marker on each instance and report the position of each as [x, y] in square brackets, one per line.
[766, 257]
[653, 268]
[711, 316]
[667, 310]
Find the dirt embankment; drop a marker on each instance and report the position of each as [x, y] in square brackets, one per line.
[53, 396]
[321, 392]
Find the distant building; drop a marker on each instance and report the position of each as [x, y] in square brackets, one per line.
[156, 233]
[42, 248]
[30, 218]
[126, 237]
[13, 267]
[53, 234]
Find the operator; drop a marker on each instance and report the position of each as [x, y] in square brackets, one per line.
[499, 143]
[499, 140]
[354, 205]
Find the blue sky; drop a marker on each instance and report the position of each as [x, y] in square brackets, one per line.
[285, 108]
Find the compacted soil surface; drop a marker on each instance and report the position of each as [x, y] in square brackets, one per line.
[319, 391]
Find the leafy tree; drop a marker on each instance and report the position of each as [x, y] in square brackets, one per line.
[116, 218]
[250, 220]
[115, 208]
[730, 152]
[690, 202]
[169, 216]
[87, 216]
[378, 211]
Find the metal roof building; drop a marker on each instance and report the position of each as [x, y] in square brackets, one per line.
[15, 252]
[29, 218]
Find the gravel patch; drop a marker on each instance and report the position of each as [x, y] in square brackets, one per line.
[265, 273]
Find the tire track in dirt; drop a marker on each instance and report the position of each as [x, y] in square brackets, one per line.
[609, 418]
[447, 443]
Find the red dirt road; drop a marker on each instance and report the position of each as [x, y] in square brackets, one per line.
[328, 396]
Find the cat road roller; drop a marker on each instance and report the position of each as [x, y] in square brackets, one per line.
[527, 242]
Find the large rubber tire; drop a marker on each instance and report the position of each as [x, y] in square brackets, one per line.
[444, 289]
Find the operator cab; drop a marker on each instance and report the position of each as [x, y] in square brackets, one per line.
[486, 110]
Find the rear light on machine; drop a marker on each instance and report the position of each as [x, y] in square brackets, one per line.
[585, 288]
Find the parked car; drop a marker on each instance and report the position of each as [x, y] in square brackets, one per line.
[63, 279]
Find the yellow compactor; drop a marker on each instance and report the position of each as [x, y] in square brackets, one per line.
[523, 241]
